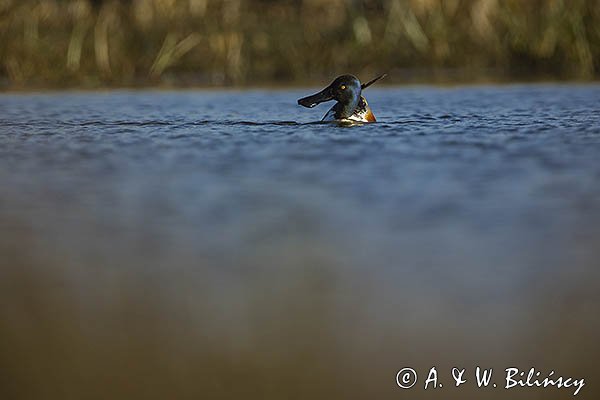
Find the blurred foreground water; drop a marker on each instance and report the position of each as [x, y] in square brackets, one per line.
[220, 245]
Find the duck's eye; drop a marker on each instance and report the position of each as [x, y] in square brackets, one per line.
[343, 87]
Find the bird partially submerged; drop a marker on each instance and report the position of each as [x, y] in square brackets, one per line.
[351, 104]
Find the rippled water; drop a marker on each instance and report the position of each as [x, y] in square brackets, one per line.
[206, 237]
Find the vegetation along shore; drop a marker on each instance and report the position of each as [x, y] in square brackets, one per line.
[85, 43]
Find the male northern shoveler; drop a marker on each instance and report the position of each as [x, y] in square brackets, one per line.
[350, 106]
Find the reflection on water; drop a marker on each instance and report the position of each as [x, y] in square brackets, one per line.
[220, 245]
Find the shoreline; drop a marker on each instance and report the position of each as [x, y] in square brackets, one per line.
[290, 86]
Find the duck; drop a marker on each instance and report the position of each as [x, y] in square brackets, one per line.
[350, 104]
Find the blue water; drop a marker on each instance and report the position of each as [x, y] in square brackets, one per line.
[468, 215]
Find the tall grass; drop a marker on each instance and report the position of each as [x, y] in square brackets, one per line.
[216, 42]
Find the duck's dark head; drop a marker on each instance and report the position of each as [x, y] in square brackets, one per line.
[345, 89]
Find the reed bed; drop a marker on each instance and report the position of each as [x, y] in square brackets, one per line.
[227, 42]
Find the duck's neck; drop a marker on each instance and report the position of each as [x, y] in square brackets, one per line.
[346, 109]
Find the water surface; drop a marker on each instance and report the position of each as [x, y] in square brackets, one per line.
[223, 245]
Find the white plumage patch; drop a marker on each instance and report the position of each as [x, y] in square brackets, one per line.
[362, 113]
